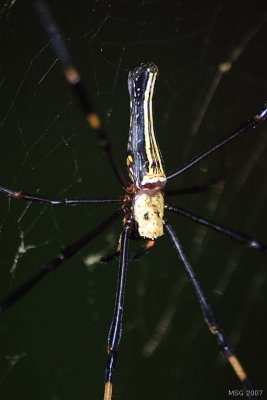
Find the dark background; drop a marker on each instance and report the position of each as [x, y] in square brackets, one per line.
[53, 343]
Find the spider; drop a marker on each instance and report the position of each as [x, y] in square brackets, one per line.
[143, 206]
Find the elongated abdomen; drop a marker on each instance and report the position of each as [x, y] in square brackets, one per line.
[144, 161]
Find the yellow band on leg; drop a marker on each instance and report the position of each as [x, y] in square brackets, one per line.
[238, 368]
[108, 391]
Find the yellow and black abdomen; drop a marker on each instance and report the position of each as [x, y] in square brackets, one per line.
[144, 161]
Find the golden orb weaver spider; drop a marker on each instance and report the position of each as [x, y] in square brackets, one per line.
[93, 121]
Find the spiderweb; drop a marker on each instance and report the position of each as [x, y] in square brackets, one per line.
[212, 62]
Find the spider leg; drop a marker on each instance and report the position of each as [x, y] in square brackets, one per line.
[111, 257]
[209, 315]
[237, 236]
[143, 251]
[246, 127]
[193, 189]
[55, 262]
[73, 78]
[116, 324]
[136, 256]
[54, 202]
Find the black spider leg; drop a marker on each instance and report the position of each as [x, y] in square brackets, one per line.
[192, 189]
[145, 249]
[55, 262]
[54, 202]
[111, 257]
[246, 127]
[73, 78]
[116, 324]
[134, 257]
[209, 316]
[237, 236]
